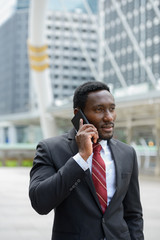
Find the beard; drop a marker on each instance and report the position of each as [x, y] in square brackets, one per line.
[102, 137]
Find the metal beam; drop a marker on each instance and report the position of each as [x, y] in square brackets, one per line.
[156, 9]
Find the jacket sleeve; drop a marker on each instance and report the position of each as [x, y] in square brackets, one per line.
[50, 182]
[132, 205]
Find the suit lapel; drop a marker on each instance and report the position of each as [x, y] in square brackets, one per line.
[116, 158]
[88, 179]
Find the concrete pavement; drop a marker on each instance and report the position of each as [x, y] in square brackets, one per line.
[18, 221]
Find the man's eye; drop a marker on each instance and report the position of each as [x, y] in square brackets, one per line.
[112, 108]
[99, 109]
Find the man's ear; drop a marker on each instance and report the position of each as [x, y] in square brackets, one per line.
[76, 110]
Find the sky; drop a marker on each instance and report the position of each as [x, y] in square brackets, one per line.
[68, 4]
[6, 9]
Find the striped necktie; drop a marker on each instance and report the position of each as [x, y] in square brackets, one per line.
[99, 176]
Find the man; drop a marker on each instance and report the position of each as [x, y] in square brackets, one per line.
[64, 177]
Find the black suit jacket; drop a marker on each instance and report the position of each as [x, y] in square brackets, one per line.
[58, 182]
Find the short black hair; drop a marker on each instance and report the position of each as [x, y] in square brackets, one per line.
[81, 93]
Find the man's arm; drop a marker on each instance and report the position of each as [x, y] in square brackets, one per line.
[132, 205]
[51, 183]
[55, 173]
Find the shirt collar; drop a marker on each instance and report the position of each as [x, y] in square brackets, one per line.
[104, 145]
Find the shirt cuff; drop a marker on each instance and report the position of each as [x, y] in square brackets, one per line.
[81, 162]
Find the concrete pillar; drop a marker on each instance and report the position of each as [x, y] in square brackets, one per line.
[39, 65]
[12, 135]
[2, 135]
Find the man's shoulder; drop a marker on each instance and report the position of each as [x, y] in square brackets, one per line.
[55, 139]
[59, 139]
[121, 147]
[120, 143]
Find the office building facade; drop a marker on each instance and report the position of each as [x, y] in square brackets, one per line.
[72, 39]
[130, 44]
[14, 68]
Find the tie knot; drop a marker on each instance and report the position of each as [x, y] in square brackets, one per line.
[97, 147]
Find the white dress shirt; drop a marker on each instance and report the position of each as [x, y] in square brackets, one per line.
[110, 168]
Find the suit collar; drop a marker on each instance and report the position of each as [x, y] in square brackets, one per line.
[72, 134]
[72, 142]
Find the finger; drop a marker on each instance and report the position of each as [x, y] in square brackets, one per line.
[95, 137]
[89, 127]
[80, 123]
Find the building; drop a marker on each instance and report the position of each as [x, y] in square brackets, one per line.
[72, 49]
[130, 40]
[70, 37]
[129, 61]
[14, 68]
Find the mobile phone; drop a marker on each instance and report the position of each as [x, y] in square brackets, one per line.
[75, 120]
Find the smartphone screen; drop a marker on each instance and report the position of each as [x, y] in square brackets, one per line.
[75, 120]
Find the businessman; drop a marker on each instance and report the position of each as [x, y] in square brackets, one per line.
[89, 178]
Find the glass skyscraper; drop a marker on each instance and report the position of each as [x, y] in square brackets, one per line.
[130, 43]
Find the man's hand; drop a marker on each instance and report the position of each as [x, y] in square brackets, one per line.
[86, 136]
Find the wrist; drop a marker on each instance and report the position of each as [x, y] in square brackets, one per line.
[84, 156]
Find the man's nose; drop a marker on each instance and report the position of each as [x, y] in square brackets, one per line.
[108, 116]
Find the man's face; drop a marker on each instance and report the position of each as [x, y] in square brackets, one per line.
[100, 111]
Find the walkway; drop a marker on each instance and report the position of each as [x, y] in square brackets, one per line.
[18, 221]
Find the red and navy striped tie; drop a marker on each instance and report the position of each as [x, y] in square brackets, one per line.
[99, 176]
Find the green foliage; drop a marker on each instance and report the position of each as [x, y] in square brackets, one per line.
[11, 163]
[27, 163]
[16, 163]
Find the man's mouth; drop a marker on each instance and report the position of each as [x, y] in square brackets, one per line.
[108, 126]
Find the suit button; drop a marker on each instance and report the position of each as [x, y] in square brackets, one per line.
[78, 180]
[103, 220]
